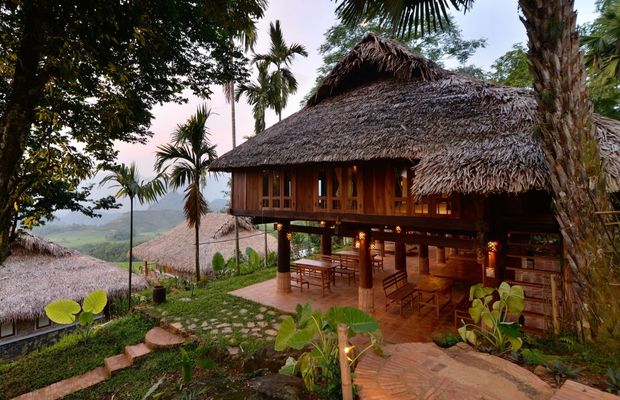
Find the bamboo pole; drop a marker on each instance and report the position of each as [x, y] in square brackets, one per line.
[554, 306]
[345, 370]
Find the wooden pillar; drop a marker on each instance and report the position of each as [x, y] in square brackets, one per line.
[326, 245]
[284, 258]
[400, 256]
[440, 255]
[423, 262]
[366, 298]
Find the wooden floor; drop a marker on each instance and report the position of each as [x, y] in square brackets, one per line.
[410, 327]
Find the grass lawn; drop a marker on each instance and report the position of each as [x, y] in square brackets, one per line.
[219, 320]
[70, 357]
[136, 266]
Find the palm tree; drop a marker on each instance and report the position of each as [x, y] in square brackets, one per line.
[131, 185]
[260, 95]
[281, 56]
[565, 126]
[190, 154]
[603, 42]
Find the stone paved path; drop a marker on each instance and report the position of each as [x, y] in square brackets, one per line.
[156, 338]
[425, 371]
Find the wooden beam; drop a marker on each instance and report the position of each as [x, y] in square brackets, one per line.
[439, 241]
[426, 224]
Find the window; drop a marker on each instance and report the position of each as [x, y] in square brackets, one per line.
[401, 189]
[420, 206]
[7, 329]
[43, 322]
[443, 205]
[337, 189]
[277, 190]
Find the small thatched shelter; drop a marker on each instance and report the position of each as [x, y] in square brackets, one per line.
[38, 272]
[175, 249]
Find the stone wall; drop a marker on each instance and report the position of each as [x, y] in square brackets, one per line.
[21, 346]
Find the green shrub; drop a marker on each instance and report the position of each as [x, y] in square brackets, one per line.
[446, 339]
[534, 357]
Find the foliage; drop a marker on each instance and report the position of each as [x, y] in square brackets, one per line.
[561, 370]
[602, 42]
[282, 82]
[260, 95]
[71, 355]
[188, 361]
[613, 381]
[218, 263]
[439, 46]
[64, 311]
[88, 74]
[497, 330]
[534, 357]
[190, 154]
[446, 339]
[513, 68]
[319, 366]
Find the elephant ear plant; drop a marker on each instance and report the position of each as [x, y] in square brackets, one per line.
[65, 311]
[500, 328]
[318, 332]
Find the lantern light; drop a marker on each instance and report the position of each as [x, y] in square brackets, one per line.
[492, 247]
[322, 224]
[289, 236]
[279, 227]
[362, 235]
[398, 229]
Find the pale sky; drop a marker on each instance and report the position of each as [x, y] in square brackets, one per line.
[306, 22]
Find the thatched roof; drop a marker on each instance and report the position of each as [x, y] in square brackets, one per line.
[176, 248]
[38, 272]
[384, 102]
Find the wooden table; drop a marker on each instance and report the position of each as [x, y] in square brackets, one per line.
[435, 287]
[316, 272]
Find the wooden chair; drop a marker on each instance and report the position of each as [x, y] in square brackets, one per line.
[317, 278]
[377, 261]
[398, 290]
[297, 278]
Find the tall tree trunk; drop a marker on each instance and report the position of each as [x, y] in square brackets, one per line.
[234, 144]
[130, 251]
[567, 133]
[18, 114]
[197, 230]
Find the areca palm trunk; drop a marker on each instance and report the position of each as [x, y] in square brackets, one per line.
[234, 144]
[130, 250]
[197, 231]
[567, 132]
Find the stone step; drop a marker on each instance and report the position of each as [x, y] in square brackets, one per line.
[116, 363]
[572, 390]
[136, 351]
[159, 338]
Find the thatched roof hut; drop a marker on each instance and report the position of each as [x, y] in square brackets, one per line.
[384, 102]
[38, 272]
[175, 249]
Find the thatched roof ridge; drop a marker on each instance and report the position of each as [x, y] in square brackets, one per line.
[175, 249]
[375, 56]
[464, 135]
[38, 272]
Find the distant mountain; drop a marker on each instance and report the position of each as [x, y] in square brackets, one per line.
[218, 205]
[171, 201]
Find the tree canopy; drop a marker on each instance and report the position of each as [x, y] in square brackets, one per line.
[440, 46]
[96, 68]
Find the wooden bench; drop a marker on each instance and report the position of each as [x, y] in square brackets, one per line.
[398, 290]
[345, 266]
[317, 278]
[297, 278]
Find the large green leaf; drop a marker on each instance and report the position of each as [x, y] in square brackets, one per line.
[468, 336]
[290, 336]
[478, 291]
[355, 319]
[513, 296]
[516, 343]
[304, 313]
[510, 329]
[476, 310]
[289, 368]
[95, 302]
[62, 311]
[86, 318]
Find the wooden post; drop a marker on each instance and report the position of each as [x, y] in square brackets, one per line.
[345, 369]
[146, 269]
[366, 298]
[423, 262]
[554, 306]
[440, 255]
[326, 245]
[284, 258]
[400, 256]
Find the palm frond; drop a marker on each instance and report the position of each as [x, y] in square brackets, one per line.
[195, 205]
